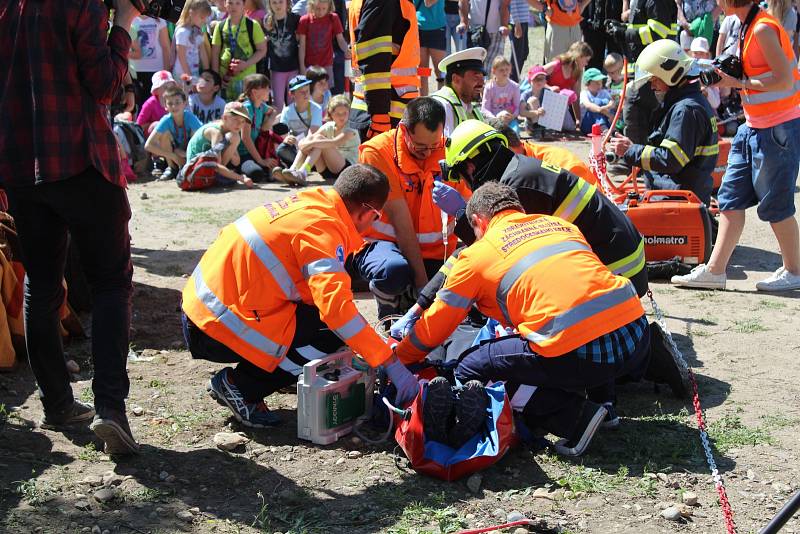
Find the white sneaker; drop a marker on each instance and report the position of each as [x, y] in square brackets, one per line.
[701, 277]
[780, 280]
[295, 177]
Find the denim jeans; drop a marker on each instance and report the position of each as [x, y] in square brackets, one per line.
[95, 213]
[460, 39]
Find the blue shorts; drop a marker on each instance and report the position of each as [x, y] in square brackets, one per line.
[762, 170]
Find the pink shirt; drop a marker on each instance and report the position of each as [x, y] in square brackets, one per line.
[151, 111]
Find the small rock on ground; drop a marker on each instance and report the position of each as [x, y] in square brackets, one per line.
[228, 441]
[671, 514]
[474, 482]
[185, 515]
[104, 495]
[689, 498]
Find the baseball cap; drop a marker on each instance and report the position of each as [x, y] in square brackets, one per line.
[700, 44]
[160, 78]
[237, 108]
[536, 70]
[592, 74]
[297, 82]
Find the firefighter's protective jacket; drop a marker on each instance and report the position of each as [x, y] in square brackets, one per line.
[550, 190]
[649, 20]
[684, 146]
[385, 58]
[536, 274]
[244, 291]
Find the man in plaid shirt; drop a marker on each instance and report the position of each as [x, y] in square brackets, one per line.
[60, 167]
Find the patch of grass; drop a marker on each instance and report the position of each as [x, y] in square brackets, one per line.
[89, 453]
[147, 495]
[423, 513]
[87, 395]
[771, 304]
[646, 487]
[155, 383]
[289, 520]
[34, 491]
[179, 423]
[750, 325]
[590, 480]
[778, 421]
[730, 432]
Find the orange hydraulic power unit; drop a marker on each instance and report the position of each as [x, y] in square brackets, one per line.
[673, 223]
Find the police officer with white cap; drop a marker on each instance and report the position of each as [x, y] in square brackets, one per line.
[463, 87]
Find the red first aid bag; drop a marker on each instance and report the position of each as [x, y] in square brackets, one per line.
[442, 461]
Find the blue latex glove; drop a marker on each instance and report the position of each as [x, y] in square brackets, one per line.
[401, 327]
[405, 382]
[448, 199]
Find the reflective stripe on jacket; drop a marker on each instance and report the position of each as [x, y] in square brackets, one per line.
[244, 291]
[412, 180]
[559, 157]
[649, 21]
[448, 97]
[534, 273]
[762, 103]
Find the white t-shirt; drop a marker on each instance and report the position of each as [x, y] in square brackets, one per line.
[192, 39]
[731, 25]
[477, 14]
[300, 126]
[348, 149]
[205, 113]
[147, 30]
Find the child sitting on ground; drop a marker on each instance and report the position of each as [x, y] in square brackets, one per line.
[254, 98]
[330, 150]
[172, 132]
[206, 103]
[699, 49]
[224, 136]
[597, 106]
[501, 96]
[320, 85]
[303, 117]
[613, 65]
[531, 108]
[153, 108]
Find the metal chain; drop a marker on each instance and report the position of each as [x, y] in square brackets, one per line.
[719, 484]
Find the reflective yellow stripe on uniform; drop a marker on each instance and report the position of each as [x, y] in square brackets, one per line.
[396, 109]
[630, 264]
[575, 201]
[658, 28]
[676, 151]
[377, 80]
[645, 35]
[706, 150]
[378, 45]
[646, 154]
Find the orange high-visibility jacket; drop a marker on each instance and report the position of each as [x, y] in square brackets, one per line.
[761, 104]
[385, 57]
[412, 180]
[534, 273]
[560, 157]
[244, 291]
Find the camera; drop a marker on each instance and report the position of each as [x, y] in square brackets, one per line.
[727, 63]
[169, 10]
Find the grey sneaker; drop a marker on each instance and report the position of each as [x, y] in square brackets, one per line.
[112, 427]
[76, 414]
[780, 280]
[470, 413]
[168, 174]
[700, 277]
[295, 177]
[437, 410]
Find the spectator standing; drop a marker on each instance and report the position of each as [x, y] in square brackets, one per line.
[432, 39]
[190, 52]
[281, 27]
[337, 82]
[315, 34]
[236, 48]
[784, 12]
[697, 17]
[563, 25]
[728, 38]
[452, 19]
[255, 10]
[153, 43]
[62, 174]
[487, 21]
[765, 153]
[501, 96]
[520, 16]
[205, 102]
[593, 27]
[699, 49]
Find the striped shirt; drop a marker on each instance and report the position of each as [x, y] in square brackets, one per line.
[520, 11]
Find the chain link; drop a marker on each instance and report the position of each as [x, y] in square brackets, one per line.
[719, 484]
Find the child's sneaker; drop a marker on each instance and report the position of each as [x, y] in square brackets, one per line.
[295, 177]
[701, 277]
[252, 414]
[277, 174]
[167, 175]
[780, 280]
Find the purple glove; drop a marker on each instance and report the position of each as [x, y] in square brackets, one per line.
[405, 382]
[448, 199]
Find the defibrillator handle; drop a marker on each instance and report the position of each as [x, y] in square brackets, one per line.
[688, 196]
[312, 368]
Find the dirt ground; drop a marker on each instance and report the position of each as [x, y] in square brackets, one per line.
[743, 346]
